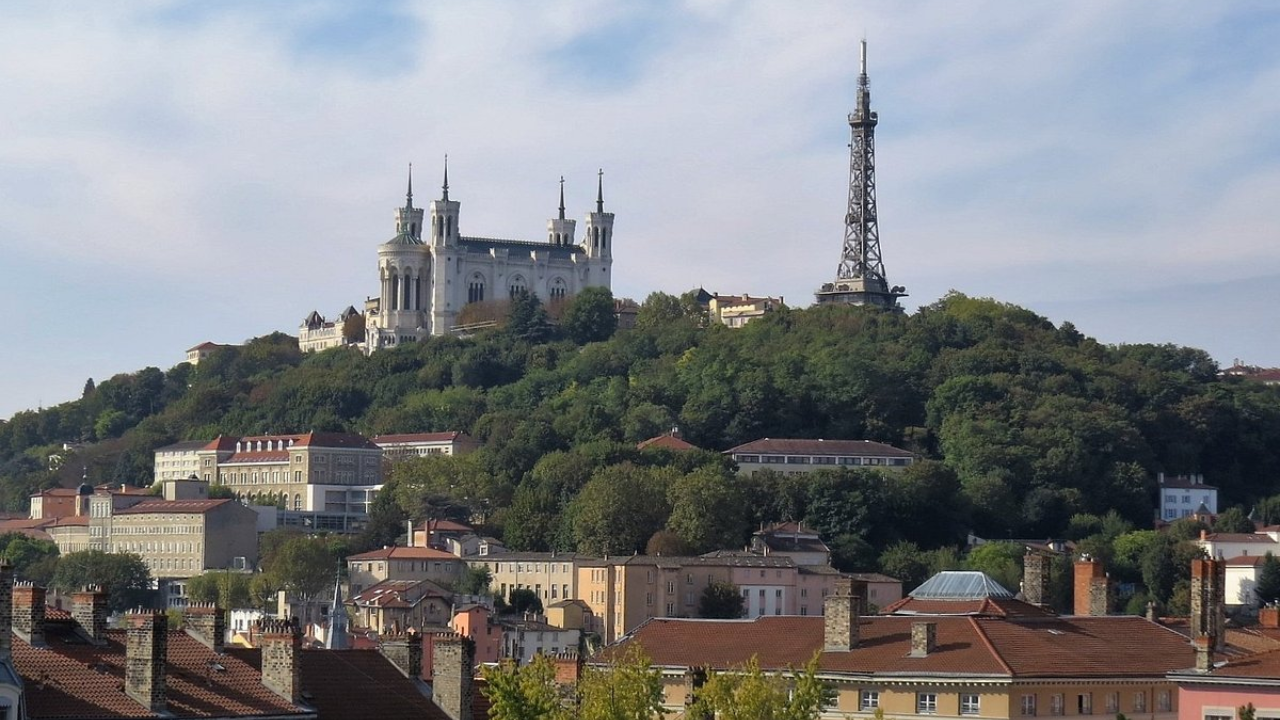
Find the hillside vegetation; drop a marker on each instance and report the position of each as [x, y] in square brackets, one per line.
[1023, 425]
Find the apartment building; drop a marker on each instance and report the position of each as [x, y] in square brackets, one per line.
[411, 445]
[402, 563]
[940, 664]
[793, 456]
[178, 461]
[551, 576]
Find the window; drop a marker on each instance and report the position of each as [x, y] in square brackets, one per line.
[968, 703]
[1164, 701]
[1140, 701]
[926, 703]
[1084, 704]
[869, 700]
[1056, 704]
[1113, 703]
[1218, 717]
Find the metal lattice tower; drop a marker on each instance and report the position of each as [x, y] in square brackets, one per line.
[860, 279]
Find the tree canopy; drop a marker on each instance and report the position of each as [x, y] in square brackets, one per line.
[123, 576]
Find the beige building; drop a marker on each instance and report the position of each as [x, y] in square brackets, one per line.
[737, 310]
[551, 576]
[394, 606]
[178, 461]
[176, 538]
[402, 563]
[411, 445]
[202, 351]
[306, 472]
[793, 456]
[317, 334]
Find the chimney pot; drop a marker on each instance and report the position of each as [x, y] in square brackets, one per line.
[924, 638]
[89, 610]
[281, 643]
[29, 612]
[146, 648]
[840, 617]
[207, 623]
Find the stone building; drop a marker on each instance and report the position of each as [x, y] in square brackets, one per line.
[429, 270]
[314, 471]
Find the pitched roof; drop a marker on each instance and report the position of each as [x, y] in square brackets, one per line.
[396, 552]
[184, 446]
[70, 678]
[960, 585]
[783, 446]
[173, 506]
[1185, 483]
[1116, 646]
[451, 436]
[1241, 538]
[666, 441]
[397, 593]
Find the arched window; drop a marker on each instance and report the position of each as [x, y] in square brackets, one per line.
[518, 286]
[297, 501]
[558, 288]
[475, 288]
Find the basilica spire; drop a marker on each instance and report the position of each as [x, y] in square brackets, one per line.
[408, 196]
[561, 197]
[445, 196]
[600, 191]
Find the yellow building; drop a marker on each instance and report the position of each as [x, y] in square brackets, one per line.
[306, 472]
[552, 576]
[402, 563]
[956, 666]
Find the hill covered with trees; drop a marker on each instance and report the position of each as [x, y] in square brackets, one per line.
[1023, 425]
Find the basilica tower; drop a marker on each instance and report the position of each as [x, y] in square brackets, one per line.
[860, 278]
[402, 276]
[598, 241]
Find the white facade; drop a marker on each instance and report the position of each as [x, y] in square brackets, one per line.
[317, 334]
[424, 284]
[1182, 497]
[760, 600]
[177, 461]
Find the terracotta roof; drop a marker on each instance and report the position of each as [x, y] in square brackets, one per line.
[397, 593]
[1246, 560]
[444, 526]
[404, 553]
[1241, 538]
[1260, 666]
[665, 442]
[173, 506]
[781, 446]
[451, 436]
[208, 346]
[73, 679]
[264, 456]
[356, 684]
[311, 439]
[1116, 646]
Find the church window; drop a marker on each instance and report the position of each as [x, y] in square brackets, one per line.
[449, 225]
[517, 286]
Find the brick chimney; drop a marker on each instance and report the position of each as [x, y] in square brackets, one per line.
[89, 610]
[1269, 616]
[6, 610]
[840, 618]
[207, 623]
[1208, 614]
[924, 638]
[1035, 578]
[405, 652]
[568, 668]
[28, 612]
[281, 643]
[1092, 594]
[1204, 653]
[146, 647]
[455, 661]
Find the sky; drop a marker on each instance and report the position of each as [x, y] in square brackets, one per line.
[179, 172]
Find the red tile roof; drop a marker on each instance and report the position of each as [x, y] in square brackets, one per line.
[404, 553]
[397, 593]
[450, 436]
[249, 458]
[1117, 646]
[782, 446]
[665, 442]
[1261, 666]
[1241, 538]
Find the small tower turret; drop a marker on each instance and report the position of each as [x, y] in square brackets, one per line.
[444, 215]
[409, 218]
[598, 241]
[560, 231]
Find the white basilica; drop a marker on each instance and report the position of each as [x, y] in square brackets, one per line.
[425, 283]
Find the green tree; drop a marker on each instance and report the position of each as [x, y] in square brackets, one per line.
[749, 693]
[303, 565]
[720, 600]
[526, 692]
[527, 318]
[1001, 560]
[620, 509]
[589, 316]
[1233, 520]
[224, 588]
[1267, 589]
[707, 510]
[122, 575]
[32, 559]
[1158, 571]
[523, 600]
[628, 688]
[905, 561]
[353, 328]
[474, 581]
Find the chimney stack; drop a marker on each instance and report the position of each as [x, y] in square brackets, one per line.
[1269, 616]
[1035, 578]
[924, 638]
[146, 646]
[1208, 614]
[205, 622]
[1092, 594]
[89, 610]
[6, 610]
[28, 612]
[405, 652]
[1204, 653]
[451, 688]
[840, 618]
[281, 642]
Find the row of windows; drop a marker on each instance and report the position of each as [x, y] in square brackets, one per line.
[1084, 703]
[820, 460]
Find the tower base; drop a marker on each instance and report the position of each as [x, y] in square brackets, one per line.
[856, 292]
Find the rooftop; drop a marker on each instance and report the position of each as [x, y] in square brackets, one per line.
[784, 446]
[396, 552]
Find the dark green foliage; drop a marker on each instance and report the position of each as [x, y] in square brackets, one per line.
[589, 316]
[1267, 590]
[33, 560]
[123, 575]
[522, 600]
[1233, 520]
[720, 600]
[474, 581]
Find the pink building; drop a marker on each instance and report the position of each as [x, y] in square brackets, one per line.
[1218, 692]
[472, 621]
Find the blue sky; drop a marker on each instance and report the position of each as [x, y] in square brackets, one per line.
[176, 172]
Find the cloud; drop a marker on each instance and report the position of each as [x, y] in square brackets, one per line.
[216, 171]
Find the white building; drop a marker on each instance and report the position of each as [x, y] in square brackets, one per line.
[525, 638]
[1183, 496]
[178, 461]
[316, 333]
[1241, 545]
[410, 445]
[424, 284]
[792, 456]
